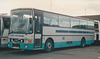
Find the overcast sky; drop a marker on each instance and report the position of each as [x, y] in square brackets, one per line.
[68, 7]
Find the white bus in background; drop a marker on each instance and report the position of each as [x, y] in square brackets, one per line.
[4, 29]
[97, 32]
[35, 29]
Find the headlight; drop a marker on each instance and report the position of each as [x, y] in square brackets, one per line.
[11, 40]
[8, 45]
[25, 46]
[21, 40]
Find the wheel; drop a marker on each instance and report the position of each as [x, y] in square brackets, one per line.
[83, 43]
[48, 46]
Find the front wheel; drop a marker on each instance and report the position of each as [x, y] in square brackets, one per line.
[48, 46]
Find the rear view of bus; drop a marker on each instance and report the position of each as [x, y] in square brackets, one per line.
[4, 29]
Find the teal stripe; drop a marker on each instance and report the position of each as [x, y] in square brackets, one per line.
[56, 44]
[64, 44]
[30, 46]
[10, 44]
[74, 43]
[89, 41]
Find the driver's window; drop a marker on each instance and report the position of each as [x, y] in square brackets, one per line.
[30, 25]
[0, 26]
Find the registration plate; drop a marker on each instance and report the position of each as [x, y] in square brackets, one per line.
[16, 47]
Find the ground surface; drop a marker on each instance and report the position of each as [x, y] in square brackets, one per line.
[90, 52]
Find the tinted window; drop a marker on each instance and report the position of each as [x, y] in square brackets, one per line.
[6, 22]
[64, 21]
[50, 19]
[0, 25]
[83, 24]
[74, 23]
[47, 21]
[90, 25]
[54, 20]
[96, 25]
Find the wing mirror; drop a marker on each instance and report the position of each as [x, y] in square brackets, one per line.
[30, 20]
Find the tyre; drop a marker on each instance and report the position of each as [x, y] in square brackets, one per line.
[48, 46]
[83, 43]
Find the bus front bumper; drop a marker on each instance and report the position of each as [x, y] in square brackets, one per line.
[27, 46]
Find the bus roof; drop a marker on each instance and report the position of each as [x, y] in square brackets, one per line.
[52, 12]
[5, 16]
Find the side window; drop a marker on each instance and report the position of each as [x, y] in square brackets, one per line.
[0, 26]
[50, 19]
[90, 25]
[47, 21]
[30, 25]
[83, 24]
[37, 24]
[96, 26]
[74, 23]
[64, 21]
[54, 20]
[6, 22]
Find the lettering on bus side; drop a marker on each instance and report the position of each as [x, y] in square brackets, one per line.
[17, 35]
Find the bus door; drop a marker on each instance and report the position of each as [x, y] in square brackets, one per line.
[38, 29]
[97, 37]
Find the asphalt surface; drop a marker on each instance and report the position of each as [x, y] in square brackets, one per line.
[89, 52]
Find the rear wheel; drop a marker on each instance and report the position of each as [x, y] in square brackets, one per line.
[48, 46]
[83, 42]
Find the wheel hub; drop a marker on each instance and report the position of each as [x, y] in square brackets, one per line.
[49, 45]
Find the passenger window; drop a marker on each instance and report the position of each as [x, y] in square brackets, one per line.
[0, 26]
[74, 23]
[83, 24]
[50, 19]
[64, 21]
[47, 21]
[6, 22]
[90, 25]
[54, 20]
